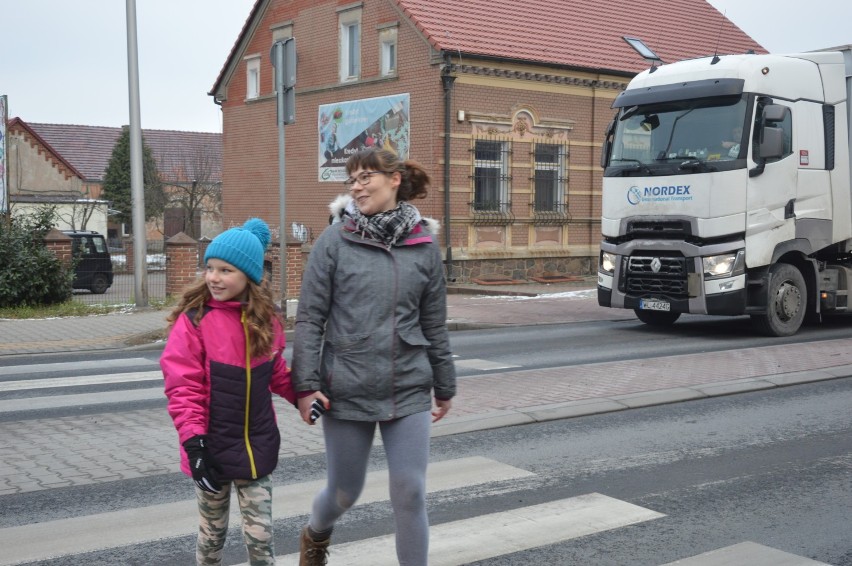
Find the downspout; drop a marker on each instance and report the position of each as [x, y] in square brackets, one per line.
[594, 129]
[447, 80]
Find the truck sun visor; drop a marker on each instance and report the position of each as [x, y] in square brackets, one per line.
[680, 91]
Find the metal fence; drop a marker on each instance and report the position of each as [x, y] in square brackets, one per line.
[122, 290]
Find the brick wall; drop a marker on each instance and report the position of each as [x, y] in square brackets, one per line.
[59, 245]
[181, 263]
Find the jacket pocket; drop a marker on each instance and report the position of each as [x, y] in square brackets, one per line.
[353, 365]
[412, 361]
[413, 337]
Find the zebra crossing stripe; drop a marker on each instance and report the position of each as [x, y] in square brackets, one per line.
[50, 539]
[81, 400]
[483, 365]
[30, 369]
[25, 384]
[749, 553]
[496, 534]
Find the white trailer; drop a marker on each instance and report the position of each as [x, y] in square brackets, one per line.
[727, 190]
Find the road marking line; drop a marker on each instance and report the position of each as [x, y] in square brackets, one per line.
[81, 400]
[42, 541]
[73, 366]
[496, 534]
[484, 365]
[749, 553]
[25, 384]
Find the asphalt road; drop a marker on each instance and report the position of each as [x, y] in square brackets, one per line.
[771, 467]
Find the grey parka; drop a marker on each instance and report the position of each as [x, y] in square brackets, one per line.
[371, 329]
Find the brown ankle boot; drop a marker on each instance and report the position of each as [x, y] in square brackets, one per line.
[312, 552]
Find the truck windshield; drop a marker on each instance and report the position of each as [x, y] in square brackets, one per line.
[680, 137]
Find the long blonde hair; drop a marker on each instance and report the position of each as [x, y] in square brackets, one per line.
[260, 310]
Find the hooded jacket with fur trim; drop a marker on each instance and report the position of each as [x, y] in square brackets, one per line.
[371, 330]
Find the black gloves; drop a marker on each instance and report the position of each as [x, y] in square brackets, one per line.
[202, 464]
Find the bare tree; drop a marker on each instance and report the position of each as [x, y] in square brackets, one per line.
[79, 210]
[193, 188]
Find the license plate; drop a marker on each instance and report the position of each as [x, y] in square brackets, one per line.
[654, 305]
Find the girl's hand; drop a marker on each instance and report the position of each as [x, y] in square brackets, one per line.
[305, 405]
[442, 407]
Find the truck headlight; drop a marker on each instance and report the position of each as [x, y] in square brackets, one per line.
[608, 262]
[724, 265]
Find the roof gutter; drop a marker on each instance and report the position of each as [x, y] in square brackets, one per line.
[447, 81]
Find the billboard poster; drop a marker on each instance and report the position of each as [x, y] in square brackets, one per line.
[347, 127]
[4, 205]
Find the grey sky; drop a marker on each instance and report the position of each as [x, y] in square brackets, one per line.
[65, 62]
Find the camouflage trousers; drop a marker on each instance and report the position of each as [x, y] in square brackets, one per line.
[255, 500]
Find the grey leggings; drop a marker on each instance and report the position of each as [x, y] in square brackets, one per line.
[406, 442]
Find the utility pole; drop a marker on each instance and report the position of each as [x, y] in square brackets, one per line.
[5, 207]
[137, 189]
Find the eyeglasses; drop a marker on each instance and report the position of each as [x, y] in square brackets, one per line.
[363, 179]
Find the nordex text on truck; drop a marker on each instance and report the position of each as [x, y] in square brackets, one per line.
[727, 190]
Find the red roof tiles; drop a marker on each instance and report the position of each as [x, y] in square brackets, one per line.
[584, 34]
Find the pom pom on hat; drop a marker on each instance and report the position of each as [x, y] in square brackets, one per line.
[242, 247]
[259, 228]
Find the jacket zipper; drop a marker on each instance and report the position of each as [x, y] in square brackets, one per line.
[248, 396]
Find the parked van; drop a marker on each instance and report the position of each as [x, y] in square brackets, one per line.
[93, 270]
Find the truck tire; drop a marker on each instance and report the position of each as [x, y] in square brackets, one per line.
[786, 304]
[99, 285]
[657, 318]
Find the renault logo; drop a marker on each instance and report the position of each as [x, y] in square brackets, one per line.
[656, 264]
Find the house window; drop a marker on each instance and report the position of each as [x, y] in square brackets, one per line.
[350, 45]
[549, 178]
[252, 77]
[387, 51]
[491, 175]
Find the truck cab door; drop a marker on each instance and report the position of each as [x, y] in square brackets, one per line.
[771, 192]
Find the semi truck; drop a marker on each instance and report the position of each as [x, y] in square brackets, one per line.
[727, 190]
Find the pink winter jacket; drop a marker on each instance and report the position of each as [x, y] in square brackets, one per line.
[210, 390]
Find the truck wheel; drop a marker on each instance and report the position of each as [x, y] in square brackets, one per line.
[785, 309]
[657, 318]
[99, 284]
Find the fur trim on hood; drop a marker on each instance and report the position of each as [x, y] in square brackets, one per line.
[342, 203]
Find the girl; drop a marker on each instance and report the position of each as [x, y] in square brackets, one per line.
[222, 362]
[372, 346]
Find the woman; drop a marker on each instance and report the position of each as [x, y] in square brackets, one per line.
[372, 345]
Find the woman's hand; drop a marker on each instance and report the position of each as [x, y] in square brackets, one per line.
[442, 407]
[305, 405]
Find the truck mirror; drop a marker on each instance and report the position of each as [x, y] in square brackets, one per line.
[606, 148]
[774, 113]
[772, 144]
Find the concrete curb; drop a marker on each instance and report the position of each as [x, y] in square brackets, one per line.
[601, 405]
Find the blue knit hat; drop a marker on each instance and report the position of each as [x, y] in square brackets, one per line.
[242, 247]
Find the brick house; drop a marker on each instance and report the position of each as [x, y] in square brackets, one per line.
[504, 102]
[64, 165]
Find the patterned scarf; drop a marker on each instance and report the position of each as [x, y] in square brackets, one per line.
[387, 227]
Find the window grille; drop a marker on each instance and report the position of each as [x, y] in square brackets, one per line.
[491, 180]
[550, 183]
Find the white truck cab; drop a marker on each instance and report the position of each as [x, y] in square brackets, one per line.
[727, 190]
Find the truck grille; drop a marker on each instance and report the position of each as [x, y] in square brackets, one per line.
[669, 277]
